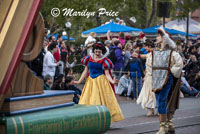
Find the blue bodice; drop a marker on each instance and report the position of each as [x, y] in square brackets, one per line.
[96, 69]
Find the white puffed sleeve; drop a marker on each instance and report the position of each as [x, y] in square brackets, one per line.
[169, 41]
[176, 64]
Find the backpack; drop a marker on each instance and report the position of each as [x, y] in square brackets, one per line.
[112, 55]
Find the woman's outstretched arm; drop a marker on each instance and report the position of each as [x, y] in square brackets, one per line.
[83, 76]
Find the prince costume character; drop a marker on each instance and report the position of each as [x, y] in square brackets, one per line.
[166, 65]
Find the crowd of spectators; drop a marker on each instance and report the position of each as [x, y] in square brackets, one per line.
[52, 64]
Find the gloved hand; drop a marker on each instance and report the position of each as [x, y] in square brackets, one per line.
[167, 39]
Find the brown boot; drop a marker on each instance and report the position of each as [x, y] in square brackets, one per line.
[171, 129]
[150, 112]
[163, 128]
[163, 124]
[170, 123]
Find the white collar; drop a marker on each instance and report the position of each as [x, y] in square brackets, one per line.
[105, 55]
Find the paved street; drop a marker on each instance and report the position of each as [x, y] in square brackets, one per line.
[187, 118]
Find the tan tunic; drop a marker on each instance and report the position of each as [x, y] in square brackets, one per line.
[176, 69]
[176, 64]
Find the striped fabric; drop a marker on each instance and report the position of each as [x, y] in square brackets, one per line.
[85, 60]
[107, 64]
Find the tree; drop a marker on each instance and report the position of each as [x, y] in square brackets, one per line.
[184, 7]
[153, 13]
[143, 10]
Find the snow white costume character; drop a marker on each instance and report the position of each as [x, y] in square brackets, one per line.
[97, 89]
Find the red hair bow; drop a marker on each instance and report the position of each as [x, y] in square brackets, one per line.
[98, 45]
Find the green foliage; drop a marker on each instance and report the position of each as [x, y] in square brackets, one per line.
[186, 6]
[140, 9]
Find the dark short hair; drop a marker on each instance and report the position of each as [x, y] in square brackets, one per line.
[139, 44]
[124, 73]
[59, 36]
[149, 43]
[67, 70]
[196, 46]
[116, 43]
[68, 79]
[190, 49]
[121, 35]
[47, 77]
[52, 45]
[50, 38]
[59, 77]
[99, 46]
[63, 56]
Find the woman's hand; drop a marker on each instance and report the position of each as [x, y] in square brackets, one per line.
[115, 81]
[75, 82]
[111, 80]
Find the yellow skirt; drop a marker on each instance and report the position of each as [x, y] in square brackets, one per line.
[98, 91]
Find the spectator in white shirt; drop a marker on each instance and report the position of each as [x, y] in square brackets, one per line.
[49, 64]
[90, 38]
[90, 41]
